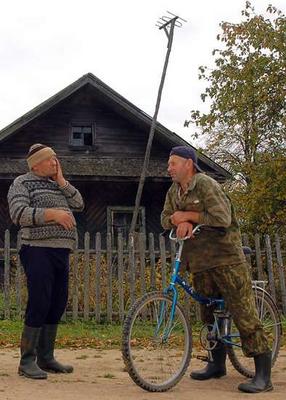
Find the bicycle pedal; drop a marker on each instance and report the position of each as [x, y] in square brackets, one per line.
[203, 358]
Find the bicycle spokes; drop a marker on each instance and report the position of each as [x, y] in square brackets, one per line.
[158, 349]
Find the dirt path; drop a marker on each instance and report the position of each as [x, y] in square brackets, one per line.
[100, 375]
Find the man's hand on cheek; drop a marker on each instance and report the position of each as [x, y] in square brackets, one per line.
[59, 177]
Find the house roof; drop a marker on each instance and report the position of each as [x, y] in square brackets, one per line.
[119, 101]
[85, 168]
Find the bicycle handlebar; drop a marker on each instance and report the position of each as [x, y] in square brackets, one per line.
[194, 231]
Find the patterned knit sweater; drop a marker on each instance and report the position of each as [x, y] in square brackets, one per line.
[28, 197]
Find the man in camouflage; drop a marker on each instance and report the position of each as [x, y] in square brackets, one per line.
[216, 259]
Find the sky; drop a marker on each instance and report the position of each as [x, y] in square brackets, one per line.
[47, 45]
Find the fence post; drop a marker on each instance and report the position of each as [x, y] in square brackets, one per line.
[173, 251]
[86, 276]
[109, 277]
[163, 259]
[258, 257]
[75, 281]
[270, 266]
[18, 278]
[97, 276]
[152, 261]
[7, 255]
[281, 272]
[245, 241]
[120, 277]
[142, 255]
[131, 268]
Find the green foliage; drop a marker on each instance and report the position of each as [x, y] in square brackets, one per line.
[244, 129]
[261, 205]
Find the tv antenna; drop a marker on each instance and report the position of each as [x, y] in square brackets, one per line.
[167, 23]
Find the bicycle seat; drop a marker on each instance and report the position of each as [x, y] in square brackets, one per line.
[247, 250]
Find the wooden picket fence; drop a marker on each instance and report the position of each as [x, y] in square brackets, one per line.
[105, 280]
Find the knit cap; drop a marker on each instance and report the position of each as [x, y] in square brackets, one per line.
[37, 153]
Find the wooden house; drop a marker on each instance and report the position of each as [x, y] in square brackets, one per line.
[100, 139]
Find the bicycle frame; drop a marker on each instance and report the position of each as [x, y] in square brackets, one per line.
[208, 301]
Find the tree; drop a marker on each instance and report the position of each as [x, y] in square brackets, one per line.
[245, 127]
[261, 206]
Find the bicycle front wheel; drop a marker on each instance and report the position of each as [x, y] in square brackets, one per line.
[269, 316]
[156, 342]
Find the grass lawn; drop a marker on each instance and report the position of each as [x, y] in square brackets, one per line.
[82, 334]
[77, 334]
[73, 334]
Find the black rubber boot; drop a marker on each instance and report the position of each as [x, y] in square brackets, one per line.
[45, 352]
[215, 368]
[262, 379]
[29, 342]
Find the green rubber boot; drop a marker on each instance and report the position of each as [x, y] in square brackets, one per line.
[29, 342]
[215, 368]
[45, 351]
[262, 379]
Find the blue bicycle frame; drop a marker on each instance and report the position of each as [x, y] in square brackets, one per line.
[208, 301]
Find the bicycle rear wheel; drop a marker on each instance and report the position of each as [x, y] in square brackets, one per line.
[156, 348]
[269, 316]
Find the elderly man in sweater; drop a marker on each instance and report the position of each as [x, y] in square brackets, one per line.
[41, 203]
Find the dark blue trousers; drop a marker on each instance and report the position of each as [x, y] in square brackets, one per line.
[47, 272]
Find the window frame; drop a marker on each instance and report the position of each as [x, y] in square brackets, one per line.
[124, 209]
[82, 124]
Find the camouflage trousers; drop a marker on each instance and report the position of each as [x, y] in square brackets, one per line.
[233, 284]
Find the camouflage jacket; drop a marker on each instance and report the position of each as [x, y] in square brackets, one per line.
[210, 248]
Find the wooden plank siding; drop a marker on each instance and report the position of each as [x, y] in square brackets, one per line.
[115, 135]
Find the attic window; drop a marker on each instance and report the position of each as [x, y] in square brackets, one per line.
[82, 135]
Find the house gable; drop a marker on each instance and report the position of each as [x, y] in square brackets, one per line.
[121, 133]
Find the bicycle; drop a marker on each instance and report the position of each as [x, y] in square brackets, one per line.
[157, 337]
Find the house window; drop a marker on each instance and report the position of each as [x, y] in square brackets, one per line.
[119, 221]
[82, 135]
